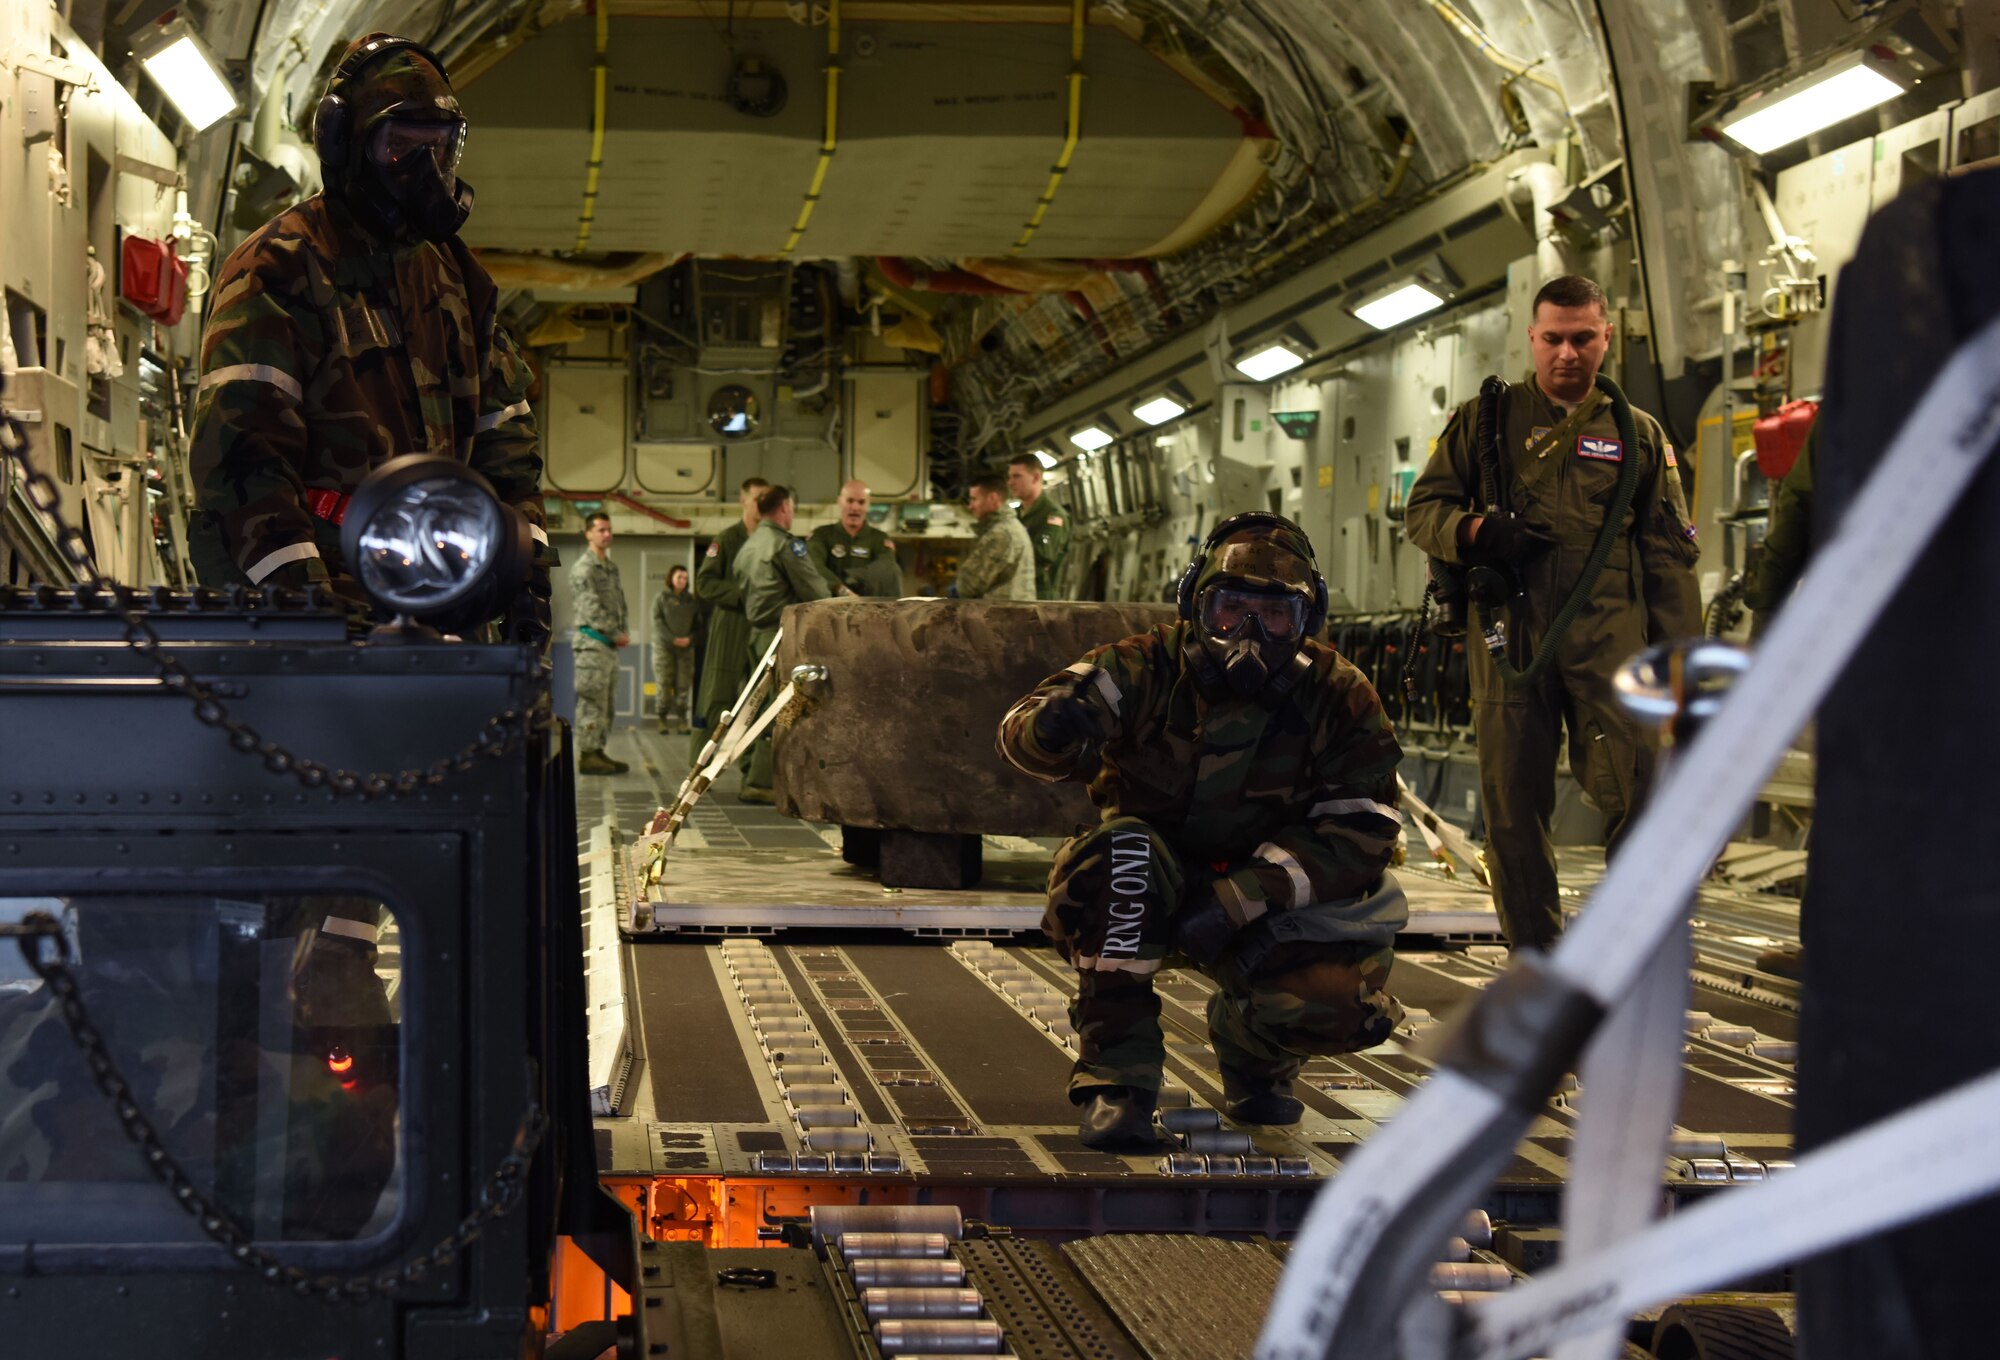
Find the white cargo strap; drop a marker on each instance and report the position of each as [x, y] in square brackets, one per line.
[716, 756]
[1917, 1162]
[1439, 832]
[1361, 1256]
[739, 744]
[1631, 1089]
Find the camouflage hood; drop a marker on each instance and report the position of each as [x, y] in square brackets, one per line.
[1264, 557]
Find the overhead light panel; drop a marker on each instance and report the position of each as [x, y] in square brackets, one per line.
[1169, 403]
[1044, 457]
[1094, 436]
[1404, 302]
[1408, 294]
[1854, 84]
[187, 74]
[1281, 354]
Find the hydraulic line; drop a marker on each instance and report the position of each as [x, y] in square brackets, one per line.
[1513, 66]
[830, 140]
[1600, 551]
[1061, 167]
[600, 69]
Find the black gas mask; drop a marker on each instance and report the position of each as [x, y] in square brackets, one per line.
[409, 168]
[1251, 633]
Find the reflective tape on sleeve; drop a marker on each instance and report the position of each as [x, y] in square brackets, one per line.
[291, 552]
[493, 419]
[1302, 888]
[262, 373]
[1344, 807]
[353, 930]
[1106, 686]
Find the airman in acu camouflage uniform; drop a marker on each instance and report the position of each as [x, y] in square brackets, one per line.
[1001, 562]
[1247, 780]
[347, 331]
[598, 598]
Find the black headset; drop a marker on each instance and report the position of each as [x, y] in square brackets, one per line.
[1252, 519]
[333, 120]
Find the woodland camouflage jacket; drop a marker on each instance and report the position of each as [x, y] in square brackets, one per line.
[1291, 799]
[328, 354]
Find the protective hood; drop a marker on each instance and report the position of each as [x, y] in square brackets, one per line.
[399, 171]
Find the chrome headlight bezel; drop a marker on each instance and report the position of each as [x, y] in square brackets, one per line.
[463, 552]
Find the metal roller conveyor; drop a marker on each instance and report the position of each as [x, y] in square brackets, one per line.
[1471, 1277]
[1188, 1118]
[1229, 1142]
[827, 1116]
[1477, 1230]
[1691, 1145]
[840, 1140]
[892, 1245]
[905, 1273]
[939, 1336]
[903, 1302]
[810, 1074]
[840, 1222]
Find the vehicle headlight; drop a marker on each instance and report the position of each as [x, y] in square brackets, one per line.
[426, 537]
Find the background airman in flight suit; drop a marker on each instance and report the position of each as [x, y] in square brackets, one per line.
[1563, 455]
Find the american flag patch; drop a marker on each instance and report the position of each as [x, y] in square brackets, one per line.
[1672, 462]
[1603, 450]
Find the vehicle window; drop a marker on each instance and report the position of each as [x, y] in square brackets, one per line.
[262, 1038]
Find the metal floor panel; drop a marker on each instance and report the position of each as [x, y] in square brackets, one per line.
[1182, 1298]
[1046, 1310]
[956, 1058]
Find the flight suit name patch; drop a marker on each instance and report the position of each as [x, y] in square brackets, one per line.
[1603, 450]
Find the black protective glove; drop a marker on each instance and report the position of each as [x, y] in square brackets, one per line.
[1203, 930]
[528, 619]
[1509, 540]
[1065, 720]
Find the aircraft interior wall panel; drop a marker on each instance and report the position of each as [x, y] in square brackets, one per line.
[813, 473]
[679, 469]
[885, 419]
[584, 433]
[1825, 200]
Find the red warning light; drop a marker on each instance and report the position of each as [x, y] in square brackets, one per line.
[339, 1061]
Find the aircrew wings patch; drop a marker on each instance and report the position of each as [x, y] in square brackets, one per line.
[1603, 450]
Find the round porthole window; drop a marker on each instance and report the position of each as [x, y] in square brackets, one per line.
[732, 412]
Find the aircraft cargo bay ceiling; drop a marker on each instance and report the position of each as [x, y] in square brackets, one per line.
[1031, 196]
[943, 146]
